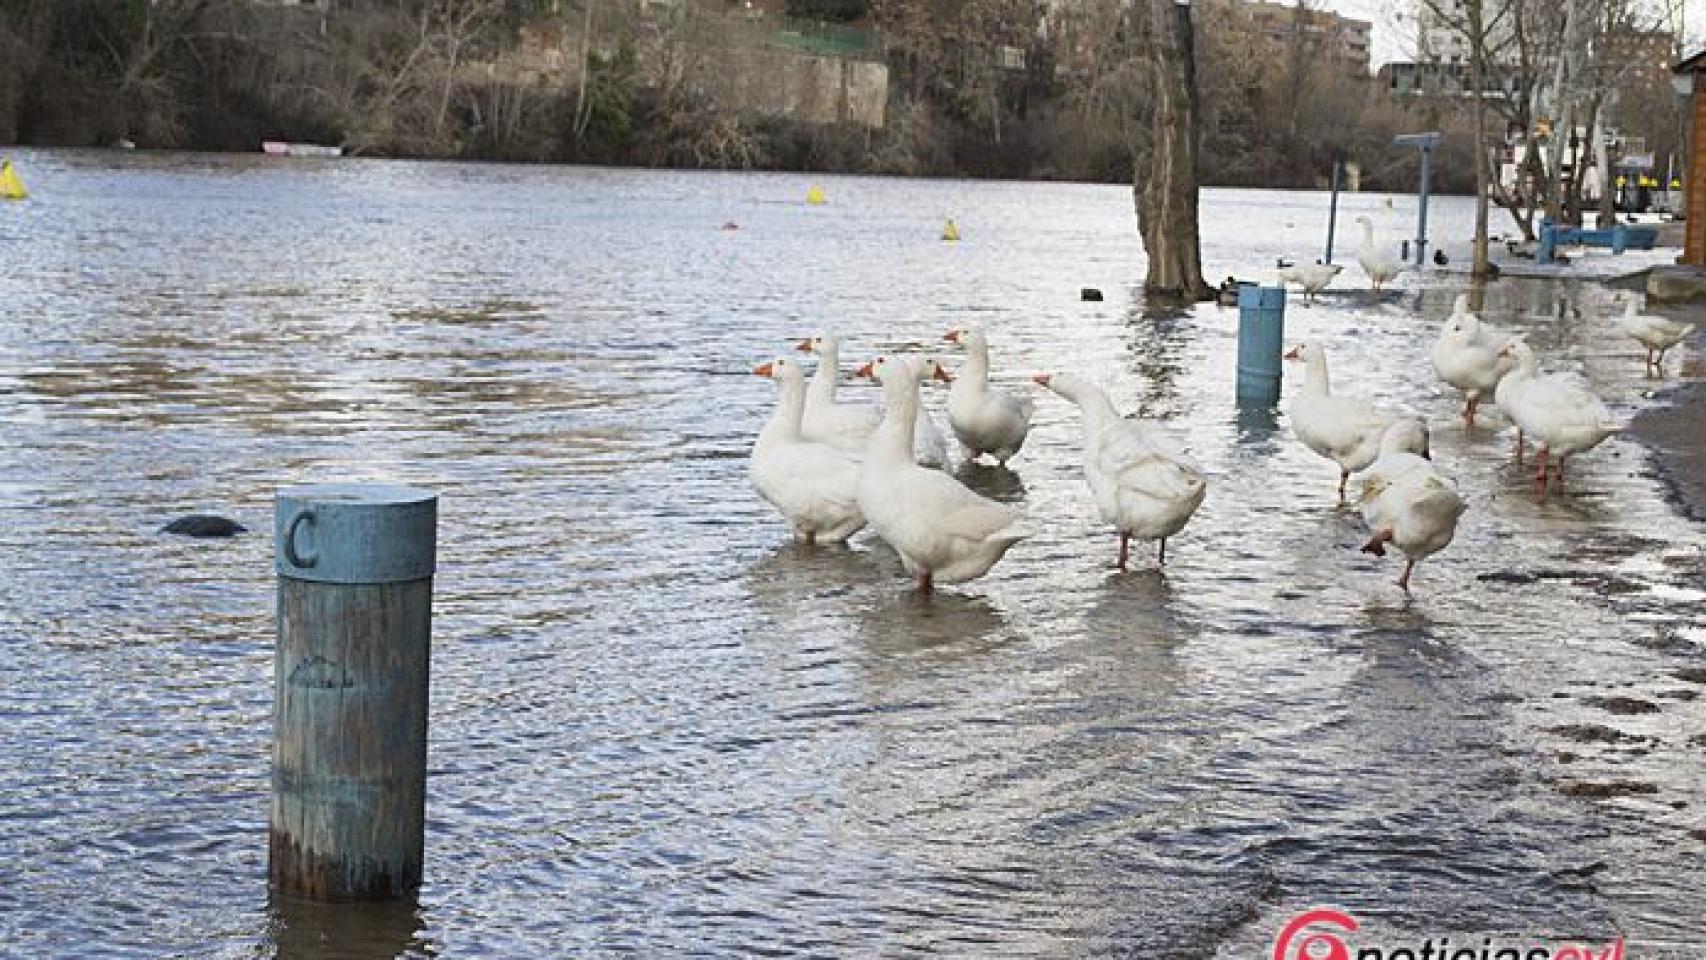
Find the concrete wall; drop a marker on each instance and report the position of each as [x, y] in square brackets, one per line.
[812, 89]
[746, 75]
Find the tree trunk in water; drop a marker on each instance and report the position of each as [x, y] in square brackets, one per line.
[1477, 52]
[1562, 119]
[1561, 132]
[1602, 158]
[581, 116]
[444, 94]
[1166, 186]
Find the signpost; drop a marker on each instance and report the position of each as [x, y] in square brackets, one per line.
[1425, 142]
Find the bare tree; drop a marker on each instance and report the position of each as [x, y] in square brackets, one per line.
[1165, 179]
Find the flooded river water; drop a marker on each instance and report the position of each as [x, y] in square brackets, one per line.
[659, 728]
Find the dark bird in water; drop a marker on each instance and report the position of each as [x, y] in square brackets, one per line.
[1440, 258]
[1227, 294]
[1089, 293]
[204, 525]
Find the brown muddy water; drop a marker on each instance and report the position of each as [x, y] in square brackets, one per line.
[660, 729]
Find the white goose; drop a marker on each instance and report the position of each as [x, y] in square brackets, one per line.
[929, 447]
[1144, 485]
[1406, 501]
[986, 421]
[814, 485]
[1345, 430]
[1652, 331]
[1559, 410]
[1466, 356]
[1504, 395]
[941, 529]
[1312, 277]
[842, 425]
[1378, 263]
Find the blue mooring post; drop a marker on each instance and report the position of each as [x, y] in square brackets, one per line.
[1548, 243]
[1333, 210]
[1261, 336]
[355, 565]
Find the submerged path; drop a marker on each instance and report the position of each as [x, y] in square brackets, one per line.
[660, 727]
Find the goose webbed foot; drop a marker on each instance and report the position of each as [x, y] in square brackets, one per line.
[1377, 544]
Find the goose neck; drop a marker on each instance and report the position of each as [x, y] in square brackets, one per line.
[1098, 411]
[784, 424]
[827, 373]
[1315, 373]
[894, 437]
[977, 363]
[1525, 364]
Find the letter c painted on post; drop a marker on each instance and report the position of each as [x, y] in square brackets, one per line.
[303, 560]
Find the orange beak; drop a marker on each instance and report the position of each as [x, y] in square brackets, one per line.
[942, 374]
[866, 372]
[764, 369]
[1295, 353]
[804, 346]
[952, 336]
[1042, 378]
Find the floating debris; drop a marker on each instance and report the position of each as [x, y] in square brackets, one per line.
[204, 525]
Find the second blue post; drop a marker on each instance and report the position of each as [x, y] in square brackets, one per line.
[1261, 339]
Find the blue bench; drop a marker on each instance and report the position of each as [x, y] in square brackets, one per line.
[1619, 238]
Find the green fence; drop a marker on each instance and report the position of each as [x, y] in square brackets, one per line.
[823, 39]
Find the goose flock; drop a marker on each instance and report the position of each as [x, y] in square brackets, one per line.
[831, 468]
[1373, 256]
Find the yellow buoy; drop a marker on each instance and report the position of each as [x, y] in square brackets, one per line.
[11, 188]
[949, 231]
[815, 195]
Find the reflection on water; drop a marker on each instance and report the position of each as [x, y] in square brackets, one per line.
[907, 623]
[308, 930]
[1259, 428]
[661, 728]
[992, 480]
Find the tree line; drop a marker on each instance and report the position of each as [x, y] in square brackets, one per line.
[1000, 88]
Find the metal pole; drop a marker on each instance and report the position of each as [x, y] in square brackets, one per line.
[1422, 213]
[355, 565]
[1333, 209]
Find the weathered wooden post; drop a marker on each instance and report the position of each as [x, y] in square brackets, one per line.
[1261, 339]
[355, 565]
